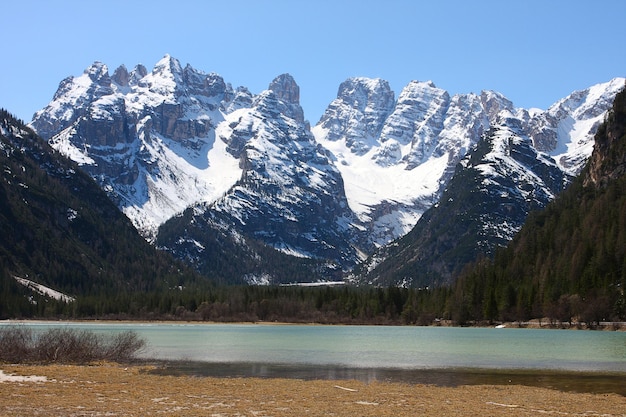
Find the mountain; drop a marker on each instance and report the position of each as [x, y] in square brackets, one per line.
[62, 235]
[289, 196]
[147, 138]
[519, 165]
[397, 157]
[189, 159]
[486, 202]
[568, 261]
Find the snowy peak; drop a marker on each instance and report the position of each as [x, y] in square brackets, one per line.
[99, 74]
[418, 140]
[178, 140]
[281, 99]
[417, 120]
[168, 67]
[286, 89]
[494, 102]
[512, 157]
[290, 195]
[164, 82]
[147, 137]
[396, 161]
[72, 99]
[357, 114]
[500, 180]
[511, 176]
[565, 131]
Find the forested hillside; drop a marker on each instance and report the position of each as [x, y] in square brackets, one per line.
[59, 229]
[569, 261]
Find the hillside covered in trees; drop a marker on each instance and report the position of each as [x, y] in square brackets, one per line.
[569, 261]
[60, 230]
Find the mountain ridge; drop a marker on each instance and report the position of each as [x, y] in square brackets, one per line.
[493, 189]
[176, 138]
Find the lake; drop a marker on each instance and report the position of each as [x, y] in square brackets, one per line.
[573, 360]
[373, 347]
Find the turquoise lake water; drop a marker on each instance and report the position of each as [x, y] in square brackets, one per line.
[374, 347]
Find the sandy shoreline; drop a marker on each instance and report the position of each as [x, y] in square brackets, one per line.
[118, 390]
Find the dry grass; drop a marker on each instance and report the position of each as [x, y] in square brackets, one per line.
[115, 390]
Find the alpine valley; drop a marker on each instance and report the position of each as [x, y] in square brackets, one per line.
[243, 188]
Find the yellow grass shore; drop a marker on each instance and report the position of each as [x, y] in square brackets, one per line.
[117, 390]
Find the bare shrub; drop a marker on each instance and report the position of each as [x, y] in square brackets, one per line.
[19, 345]
[66, 346]
[123, 346]
[16, 343]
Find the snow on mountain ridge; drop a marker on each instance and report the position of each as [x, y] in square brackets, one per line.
[289, 195]
[565, 131]
[497, 183]
[427, 133]
[358, 112]
[150, 142]
[401, 172]
[162, 141]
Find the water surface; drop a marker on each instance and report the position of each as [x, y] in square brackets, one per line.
[440, 355]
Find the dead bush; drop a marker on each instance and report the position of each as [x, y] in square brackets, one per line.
[16, 343]
[19, 344]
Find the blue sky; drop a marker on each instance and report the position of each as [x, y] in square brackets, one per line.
[533, 51]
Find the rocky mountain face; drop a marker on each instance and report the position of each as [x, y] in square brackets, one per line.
[147, 138]
[289, 194]
[184, 154]
[501, 179]
[396, 156]
[608, 161]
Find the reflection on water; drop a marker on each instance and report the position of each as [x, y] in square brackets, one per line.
[561, 380]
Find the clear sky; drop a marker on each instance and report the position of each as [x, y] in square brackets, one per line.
[533, 51]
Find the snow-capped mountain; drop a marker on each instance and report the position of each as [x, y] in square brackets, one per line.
[177, 139]
[396, 156]
[289, 194]
[147, 138]
[565, 131]
[501, 179]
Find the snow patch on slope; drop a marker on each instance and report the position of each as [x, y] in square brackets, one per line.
[181, 180]
[45, 291]
[368, 184]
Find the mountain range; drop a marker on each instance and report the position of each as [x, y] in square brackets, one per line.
[218, 175]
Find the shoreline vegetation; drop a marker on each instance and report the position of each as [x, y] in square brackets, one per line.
[19, 344]
[331, 305]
